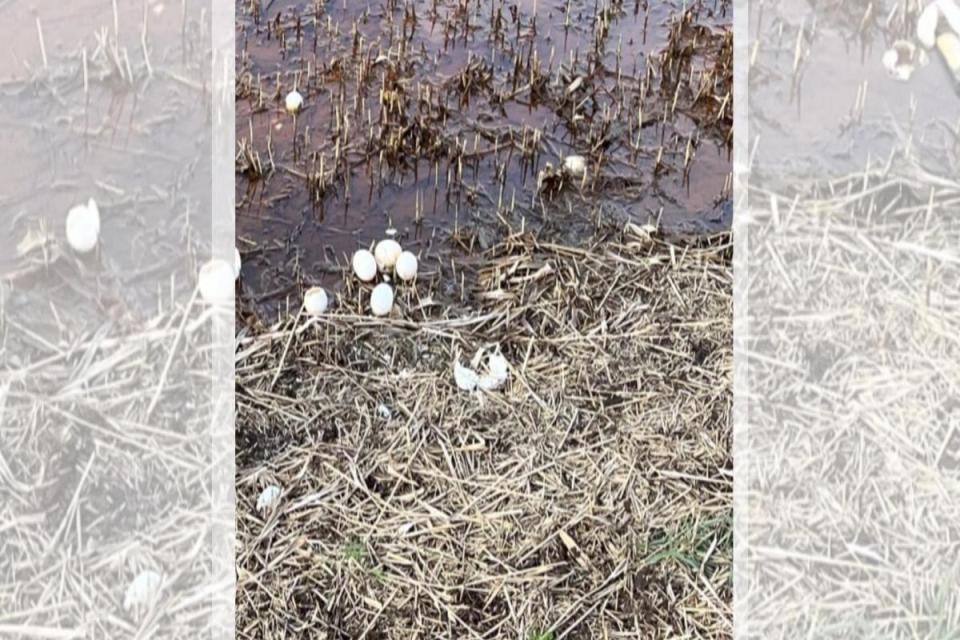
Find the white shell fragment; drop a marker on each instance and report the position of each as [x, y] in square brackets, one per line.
[293, 102]
[467, 379]
[143, 591]
[83, 227]
[407, 265]
[494, 378]
[315, 301]
[497, 373]
[575, 166]
[902, 60]
[237, 263]
[217, 278]
[364, 265]
[381, 300]
[386, 253]
[927, 25]
[268, 498]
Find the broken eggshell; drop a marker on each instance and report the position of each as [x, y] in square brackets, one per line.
[494, 378]
[466, 378]
[902, 59]
[497, 373]
[268, 498]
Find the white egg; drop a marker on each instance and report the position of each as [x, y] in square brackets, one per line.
[364, 265]
[381, 300]
[927, 25]
[217, 282]
[406, 267]
[315, 301]
[386, 253]
[237, 263]
[143, 590]
[83, 227]
[576, 166]
[294, 102]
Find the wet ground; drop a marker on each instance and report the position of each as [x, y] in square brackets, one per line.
[110, 105]
[444, 122]
[821, 101]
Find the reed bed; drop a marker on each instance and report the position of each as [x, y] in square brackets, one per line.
[458, 115]
[589, 498]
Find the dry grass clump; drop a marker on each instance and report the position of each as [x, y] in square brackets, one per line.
[590, 498]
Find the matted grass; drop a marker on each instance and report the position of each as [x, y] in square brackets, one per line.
[591, 498]
[851, 456]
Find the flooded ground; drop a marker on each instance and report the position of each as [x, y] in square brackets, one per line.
[444, 122]
[103, 100]
[823, 83]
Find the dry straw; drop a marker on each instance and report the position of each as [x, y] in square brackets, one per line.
[107, 457]
[588, 499]
[851, 443]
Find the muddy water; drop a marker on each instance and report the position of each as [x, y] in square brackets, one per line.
[838, 109]
[136, 140]
[435, 119]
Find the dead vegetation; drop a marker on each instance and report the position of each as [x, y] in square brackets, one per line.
[849, 370]
[107, 463]
[590, 498]
[459, 105]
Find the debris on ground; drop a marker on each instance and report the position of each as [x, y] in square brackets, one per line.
[591, 497]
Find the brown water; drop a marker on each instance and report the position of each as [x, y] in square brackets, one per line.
[137, 142]
[436, 118]
[804, 118]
